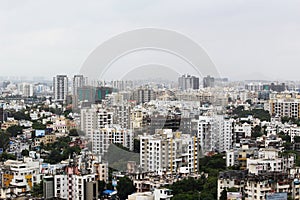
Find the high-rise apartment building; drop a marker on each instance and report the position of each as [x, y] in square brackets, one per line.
[214, 133]
[60, 88]
[92, 94]
[143, 95]
[75, 185]
[104, 137]
[285, 105]
[78, 82]
[122, 115]
[88, 120]
[25, 89]
[94, 118]
[168, 151]
[187, 82]
[208, 81]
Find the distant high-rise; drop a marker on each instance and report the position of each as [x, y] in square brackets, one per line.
[78, 82]
[26, 89]
[5, 84]
[143, 95]
[187, 82]
[208, 81]
[60, 88]
[93, 94]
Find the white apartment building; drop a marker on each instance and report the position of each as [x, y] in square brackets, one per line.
[206, 134]
[168, 151]
[20, 176]
[103, 137]
[60, 87]
[104, 118]
[256, 189]
[243, 130]
[270, 161]
[88, 120]
[25, 89]
[224, 133]
[73, 185]
[94, 118]
[214, 133]
[292, 131]
[122, 115]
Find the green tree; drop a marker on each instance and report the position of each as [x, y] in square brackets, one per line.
[54, 157]
[185, 185]
[67, 112]
[15, 130]
[37, 190]
[285, 119]
[223, 195]
[297, 139]
[210, 187]
[187, 196]
[125, 187]
[288, 146]
[249, 101]
[4, 140]
[256, 132]
[20, 115]
[25, 152]
[289, 197]
[101, 186]
[73, 132]
[69, 151]
[261, 114]
[38, 126]
[233, 189]
[7, 156]
[284, 137]
[212, 164]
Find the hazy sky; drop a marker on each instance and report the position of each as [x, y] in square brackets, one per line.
[246, 39]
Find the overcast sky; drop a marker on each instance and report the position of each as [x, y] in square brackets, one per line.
[245, 39]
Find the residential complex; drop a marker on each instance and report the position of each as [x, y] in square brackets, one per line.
[153, 136]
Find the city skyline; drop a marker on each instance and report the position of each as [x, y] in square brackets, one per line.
[131, 100]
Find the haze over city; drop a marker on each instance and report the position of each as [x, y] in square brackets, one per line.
[245, 39]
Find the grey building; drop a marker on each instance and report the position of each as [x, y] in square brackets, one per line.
[187, 82]
[208, 81]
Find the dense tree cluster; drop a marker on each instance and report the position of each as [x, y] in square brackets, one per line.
[125, 187]
[60, 150]
[4, 139]
[261, 114]
[15, 130]
[37, 190]
[20, 115]
[204, 187]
